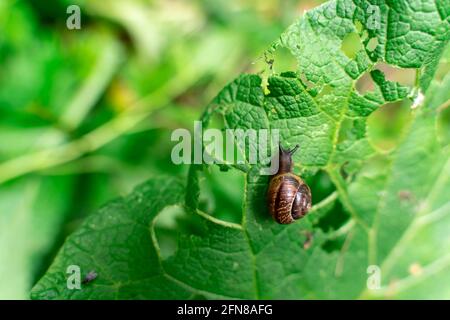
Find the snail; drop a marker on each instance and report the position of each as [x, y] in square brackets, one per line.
[289, 196]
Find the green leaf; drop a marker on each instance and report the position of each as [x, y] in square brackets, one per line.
[118, 244]
[395, 202]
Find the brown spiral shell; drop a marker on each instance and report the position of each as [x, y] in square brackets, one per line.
[289, 197]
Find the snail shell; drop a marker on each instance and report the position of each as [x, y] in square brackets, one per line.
[289, 196]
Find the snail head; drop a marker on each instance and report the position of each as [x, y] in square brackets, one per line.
[285, 157]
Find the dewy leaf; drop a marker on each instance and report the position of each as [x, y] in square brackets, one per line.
[392, 207]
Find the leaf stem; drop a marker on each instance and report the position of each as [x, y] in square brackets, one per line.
[341, 188]
[344, 229]
[218, 221]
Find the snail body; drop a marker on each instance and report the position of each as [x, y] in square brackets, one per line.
[289, 197]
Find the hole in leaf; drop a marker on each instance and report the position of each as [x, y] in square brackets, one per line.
[351, 45]
[173, 222]
[320, 185]
[216, 121]
[385, 125]
[365, 84]
[372, 44]
[364, 35]
[284, 60]
[350, 168]
[222, 200]
[308, 84]
[326, 90]
[165, 230]
[321, 188]
[218, 152]
[344, 129]
[353, 129]
[401, 75]
[359, 26]
[334, 244]
[333, 219]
